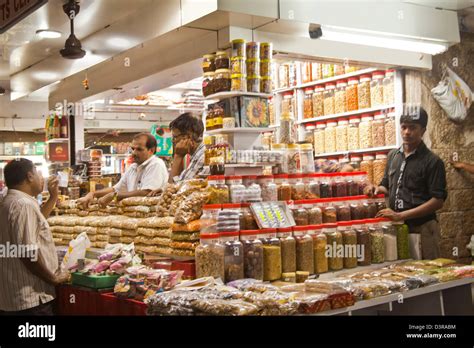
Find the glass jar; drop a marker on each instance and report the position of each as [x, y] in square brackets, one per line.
[306, 158]
[236, 189]
[228, 219]
[288, 250]
[319, 248]
[352, 98]
[403, 249]
[222, 60]
[208, 63]
[338, 185]
[334, 241]
[281, 150]
[210, 119]
[363, 92]
[325, 186]
[341, 135]
[315, 214]
[233, 256]
[253, 192]
[304, 249]
[316, 71]
[318, 101]
[340, 97]
[367, 165]
[222, 81]
[218, 190]
[328, 97]
[389, 87]
[271, 255]
[283, 76]
[339, 69]
[217, 166]
[371, 208]
[284, 188]
[253, 67]
[285, 131]
[208, 84]
[330, 136]
[253, 83]
[210, 257]
[390, 239]
[266, 50]
[293, 158]
[306, 72]
[253, 50]
[376, 89]
[208, 219]
[319, 140]
[355, 163]
[300, 214]
[298, 188]
[352, 185]
[363, 240]
[353, 133]
[266, 85]
[266, 68]
[246, 218]
[239, 83]
[238, 66]
[309, 133]
[312, 187]
[349, 240]
[238, 48]
[376, 241]
[365, 132]
[308, 103]
[379, 167]
[380, 202]
[329, 213]
[390, 129]
[292, 74]
[328, 70]
[253, 254]
[343, 210]
[268, 187]
[378, 130]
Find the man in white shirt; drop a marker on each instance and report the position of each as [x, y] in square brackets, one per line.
[28, 260]
[147, 174]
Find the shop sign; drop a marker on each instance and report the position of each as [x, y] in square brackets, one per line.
[58, 152]
[13, 11]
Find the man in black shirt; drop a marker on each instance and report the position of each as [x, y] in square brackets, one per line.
[415, 182]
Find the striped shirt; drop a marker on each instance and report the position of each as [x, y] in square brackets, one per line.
[150, 175]
[24, 226]
[196, 165]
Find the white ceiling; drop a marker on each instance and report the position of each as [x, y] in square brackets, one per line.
[444, 4]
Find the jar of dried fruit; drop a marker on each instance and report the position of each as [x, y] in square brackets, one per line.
[340, 97]
[379, 166]
[329, 98]
[365, 132]
[389, 87]
[352, 94]
[308, 103]
[318, 101]
[341, 134]
[364, 92]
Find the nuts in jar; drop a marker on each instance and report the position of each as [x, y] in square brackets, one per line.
[253, 67]
[239, 83]
[318, 101]
[378, 130]
[222, 60]
[208, 63]
[351, 94]
[238, 48]
[266, 67]
[222, 81]
[364, 92]
[253, 84]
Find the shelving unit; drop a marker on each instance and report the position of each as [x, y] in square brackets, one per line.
[238, 130]
[57, 140]
[225, 95]
[329, 79]
[360, 151]
[346, 114]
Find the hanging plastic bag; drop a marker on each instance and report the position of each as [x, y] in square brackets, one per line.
[77, 250]
[453, 95]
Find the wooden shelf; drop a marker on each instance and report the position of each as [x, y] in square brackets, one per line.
[329, 79]
[226, 95]
[238, 130]
[346, 114]
[359, 151]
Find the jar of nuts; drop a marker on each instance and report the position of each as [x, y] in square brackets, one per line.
[334, 240]
[378, 130]
[365, 131]
[341, 134]
[308, 103]
[363, 92]
[390, 129]
[271, 255]
[284, 188]
[288, 249]
[319, 250]
[353, 133]
[352, 94]
[233, 256]
[319, 138]
[340, 97]
[253, 254]
[318, 101]
[304, 249]
[209, 257]
[329, 99]
[330, 136]
[367, 165]
[376, 88]
[218, 191]
[389, 87]
[379, 167]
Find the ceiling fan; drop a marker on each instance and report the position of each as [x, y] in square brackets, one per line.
[73, 48]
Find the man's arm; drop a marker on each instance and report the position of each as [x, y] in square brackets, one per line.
[176, 167]
[38, 269]
[464, 166]
[136, 193]
[47, 208]
[427, 208]
[85, 201]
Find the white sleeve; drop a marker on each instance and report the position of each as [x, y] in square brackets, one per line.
[121, 186]
[156, 177]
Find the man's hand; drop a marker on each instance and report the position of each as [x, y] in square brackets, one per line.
[61, 277]
[458, 165]
[155, 193]
[53, 186]
[370, 190]
[390, 214]
[104, 201]
[183, 147]
[85, 201]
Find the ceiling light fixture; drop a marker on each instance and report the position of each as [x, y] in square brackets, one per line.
[48, 34]
[379, 40]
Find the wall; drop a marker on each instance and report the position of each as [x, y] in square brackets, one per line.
[445, 137]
